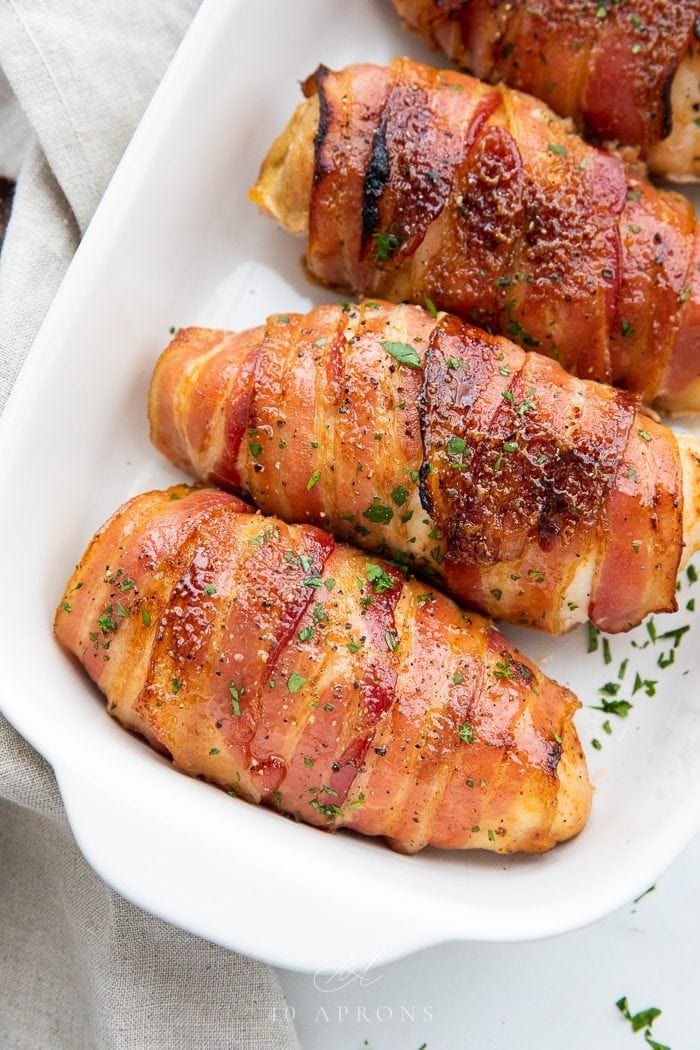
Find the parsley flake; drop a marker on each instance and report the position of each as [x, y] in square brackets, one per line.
[378, 513]
[235, 699]
[387, 244]
[380, 580]
[403, 353]
[466, 733]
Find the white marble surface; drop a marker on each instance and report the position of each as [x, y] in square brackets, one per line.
[557, 994]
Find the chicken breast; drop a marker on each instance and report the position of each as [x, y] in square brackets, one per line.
[298, 673]
[539, 498]
[628, 73]
[418, 185]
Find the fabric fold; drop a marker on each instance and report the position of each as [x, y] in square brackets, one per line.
[80, 967]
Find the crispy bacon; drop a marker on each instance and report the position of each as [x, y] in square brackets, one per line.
[522, 490]
[427, 185]
[296, 673]
[610, 66]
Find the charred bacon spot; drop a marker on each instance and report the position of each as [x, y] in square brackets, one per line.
[424, 401]
[376, 176]
[324, 119]
[415, 159]
[574, 485]
[521, 672]
[424, 493]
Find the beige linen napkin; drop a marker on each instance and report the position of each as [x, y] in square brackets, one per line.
[81, 968]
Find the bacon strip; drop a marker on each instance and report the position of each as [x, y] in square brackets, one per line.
[609, 66]
[523, 491]
[430, 185]
[294, 672]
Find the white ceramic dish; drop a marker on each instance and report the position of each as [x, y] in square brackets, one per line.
[176, 242]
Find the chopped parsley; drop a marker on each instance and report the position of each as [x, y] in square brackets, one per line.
[235, 699]
[466, 733]
[403, 353]
[378, 513]
[528, 405]
[647, 684]
[106, 622]
[392, 640]
[380, 580]
[503, 669]
[641, 1021]
[621, 708]
[387, 244]
[456, 446]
